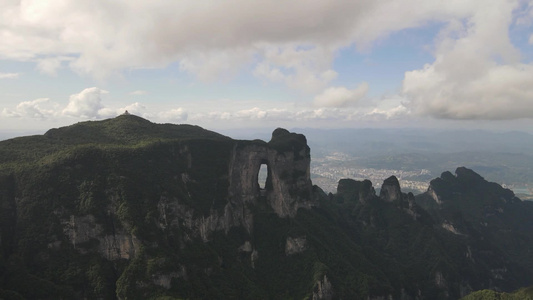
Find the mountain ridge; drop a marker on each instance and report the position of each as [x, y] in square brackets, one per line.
[176, 215]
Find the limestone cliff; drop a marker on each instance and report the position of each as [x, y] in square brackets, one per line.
[350, 190]
[288, 184]
[124, 199]
[390, 190]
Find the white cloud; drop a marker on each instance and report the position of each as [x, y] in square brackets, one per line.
[35, 109]
[320, 114]
[50, 65]
[294, 42]
[265, 70]
[86, 104]
[386, 114]
[209, 66]
[107, 112]
[135, 109]
[138, 93]
[253, 114]
[174, 115]
[341, 96]
[477, 73]
[392, 107]
[9, 75]
[304, 68]
[502, 92]
[524, 17]
[325, 116]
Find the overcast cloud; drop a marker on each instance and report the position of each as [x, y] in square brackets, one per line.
[341, 96]
[9, 75]
[476, 76]
[477, 73]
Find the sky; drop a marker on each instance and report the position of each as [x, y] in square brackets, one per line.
[267, 64]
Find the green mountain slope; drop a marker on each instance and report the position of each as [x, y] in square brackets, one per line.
[122, 131]
[128, 209]
[491, 219]
[522, 294]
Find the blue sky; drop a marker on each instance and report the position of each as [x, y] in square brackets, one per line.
[264, 64]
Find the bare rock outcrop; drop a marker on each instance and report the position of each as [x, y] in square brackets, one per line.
[295, 245]
[116, 245]
[350, 190]
[323, 289]
[390, 190]
[288, 184]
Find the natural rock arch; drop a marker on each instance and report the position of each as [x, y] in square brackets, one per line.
[288, 185]
[264, 183]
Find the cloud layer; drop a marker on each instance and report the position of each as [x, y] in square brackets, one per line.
[477, 75]
[295, 39]
[9, 75]
[341, 96]
[477, 72]
[35, 109]
[87, 104]
[91, 104]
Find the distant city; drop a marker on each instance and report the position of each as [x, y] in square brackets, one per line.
[326, 173]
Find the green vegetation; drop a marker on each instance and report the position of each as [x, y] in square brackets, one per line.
[521, 294]
[125, 131]
[128, 209]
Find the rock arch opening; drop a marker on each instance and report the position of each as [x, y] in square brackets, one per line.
[262, 176]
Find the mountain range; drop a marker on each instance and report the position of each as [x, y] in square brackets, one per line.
[127, 209]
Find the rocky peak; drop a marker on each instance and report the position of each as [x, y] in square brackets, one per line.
[390, 190]
[466, 182]
[279, 132]
[287, 188]
[463, 177]
[285, 141]
[288, 184]
[442, 188]
[350, 190]
[448, 176]
[468, 176]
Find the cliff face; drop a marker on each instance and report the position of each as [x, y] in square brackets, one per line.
[288, 184]
[349, 190]
[120, 203]
[8, 214]
[489, 219]
[464, 224]
[229, 179]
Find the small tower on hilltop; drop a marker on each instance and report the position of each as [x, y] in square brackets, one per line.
[126, 113]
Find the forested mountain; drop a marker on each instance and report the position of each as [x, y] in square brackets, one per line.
[128, 209]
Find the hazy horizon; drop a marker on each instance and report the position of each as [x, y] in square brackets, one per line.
[265, 132]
